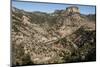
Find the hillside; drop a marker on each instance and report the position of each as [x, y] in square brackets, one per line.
[59, 37]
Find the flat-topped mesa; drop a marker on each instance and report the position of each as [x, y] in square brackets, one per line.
[72, 10]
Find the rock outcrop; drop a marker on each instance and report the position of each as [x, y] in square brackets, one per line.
[72, 10]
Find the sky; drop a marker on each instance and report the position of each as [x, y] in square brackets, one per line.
[50, 7]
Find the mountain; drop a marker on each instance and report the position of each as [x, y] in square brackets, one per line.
[59, 37]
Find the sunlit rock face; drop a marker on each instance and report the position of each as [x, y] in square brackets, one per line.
[72, 10]
[25, 20]
[69, 11]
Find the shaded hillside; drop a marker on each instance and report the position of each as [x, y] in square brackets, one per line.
[92, 17]
[59, 37]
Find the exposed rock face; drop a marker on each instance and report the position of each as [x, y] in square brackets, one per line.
[69, 11]
[25, 20]
[72, 9]
[44, 39]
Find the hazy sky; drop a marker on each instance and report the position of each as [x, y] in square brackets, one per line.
[50, 7]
